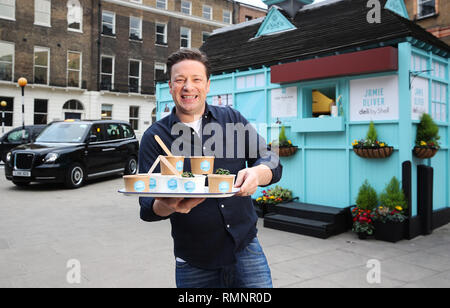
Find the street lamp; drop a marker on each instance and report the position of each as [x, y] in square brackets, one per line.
[22, 83]
[3, 104]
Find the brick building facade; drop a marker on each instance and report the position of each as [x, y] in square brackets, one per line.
[95, 58]
[433, 15]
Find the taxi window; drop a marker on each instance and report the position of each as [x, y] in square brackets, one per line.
[127, 131]
[97, 130]
[113, 132]
[16, 136]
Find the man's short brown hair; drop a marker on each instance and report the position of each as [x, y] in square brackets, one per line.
[188, 54]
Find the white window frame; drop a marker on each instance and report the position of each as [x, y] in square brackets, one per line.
[79, 71]
[113, 22]
[165, 33]
[188, 39]
[4, 16]
[49, 13]
[419, 15]
[139, 78]
[190, 7]
[210, 11]
[78, 7]
[230, 16]
[13, 59]
[108, 74]
[158, 4]
[133, 118]
[38, 48]
[101, 111]
[139, 29]
[159, 66]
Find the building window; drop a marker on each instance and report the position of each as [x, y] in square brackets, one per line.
[248, 18]
[161, 4]
[41, 65]
[107, 112]
[42, 12]
[7, 111]
[40, 111]
[439, 101]
[74, 16]
[108, 23]
[73, 69]
[161, 34]
[227, 16]
[8, 9]
[185, 37]
[205, 36]
[207, 12]
[6, 61]
[134, 117]
[73, 109]
[426, 8]
[134, 76]
[135, 28]
[186, 7]
[107, 73]
[160, 72]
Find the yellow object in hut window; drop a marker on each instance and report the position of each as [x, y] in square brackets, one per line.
[98, 129]
[321, 103]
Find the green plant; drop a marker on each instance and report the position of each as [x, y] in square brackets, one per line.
[427, 132]
[371, 140]
[362, 221]
[282, 140]
[393, 196]
[275, 195]
[367, 198]
[372, 135]
[187, 174]
[222, 171]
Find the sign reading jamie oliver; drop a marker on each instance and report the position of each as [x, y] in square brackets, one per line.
[419, 98]
[374, 99]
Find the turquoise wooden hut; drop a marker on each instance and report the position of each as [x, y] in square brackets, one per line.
[289, 69]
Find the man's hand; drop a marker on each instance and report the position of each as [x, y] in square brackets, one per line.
[165, 206]
[250, 178]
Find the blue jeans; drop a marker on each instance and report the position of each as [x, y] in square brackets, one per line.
[250, 271]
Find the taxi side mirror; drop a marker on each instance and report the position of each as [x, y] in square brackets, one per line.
[92, 138]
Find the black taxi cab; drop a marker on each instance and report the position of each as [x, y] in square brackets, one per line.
[74, 151]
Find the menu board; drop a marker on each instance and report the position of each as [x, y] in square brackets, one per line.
[373, 99]
[284, 102]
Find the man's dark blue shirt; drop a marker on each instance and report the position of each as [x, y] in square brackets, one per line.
[213, 231]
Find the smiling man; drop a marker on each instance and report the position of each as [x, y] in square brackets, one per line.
[215, 242]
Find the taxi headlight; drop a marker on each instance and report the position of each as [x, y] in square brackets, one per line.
[8, 157]
[51, 157]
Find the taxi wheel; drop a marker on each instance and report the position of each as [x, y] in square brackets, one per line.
[131, 167]
[75, 176]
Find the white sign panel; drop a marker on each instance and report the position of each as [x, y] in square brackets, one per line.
[419, 98]
[284, 102]
[374, 99]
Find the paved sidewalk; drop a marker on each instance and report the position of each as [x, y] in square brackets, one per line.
[43, 227]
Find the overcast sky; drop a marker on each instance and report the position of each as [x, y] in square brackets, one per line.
[259, 3]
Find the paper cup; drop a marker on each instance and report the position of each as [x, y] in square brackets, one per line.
[202, 164]
[219, 183]
[137, 183]
[169, 184]
[176, 161]
[193, 185]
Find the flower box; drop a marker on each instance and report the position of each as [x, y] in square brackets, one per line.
[286, 151]
[424, 152]
[382, 152]
[389, 231]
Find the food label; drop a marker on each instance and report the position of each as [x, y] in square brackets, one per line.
[172, 184]
[224, 187]
[152, 184]
[139, 186]
[189, 186]
[179, 166]
[205, 165]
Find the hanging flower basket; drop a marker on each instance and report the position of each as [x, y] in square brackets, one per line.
[381, 152]
[287, 151]
[424, 152]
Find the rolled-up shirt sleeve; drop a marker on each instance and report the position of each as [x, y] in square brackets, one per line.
[148, 153]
